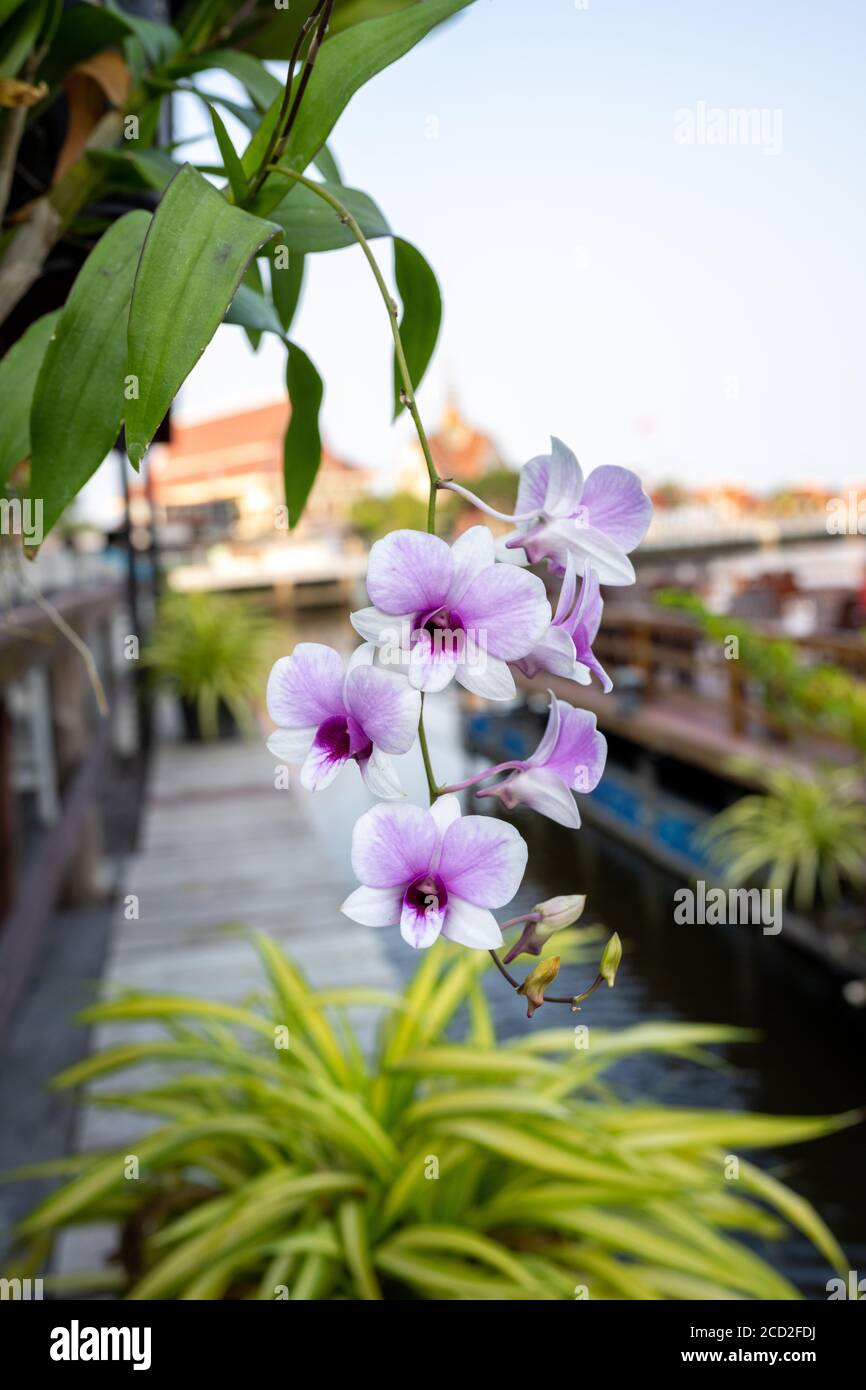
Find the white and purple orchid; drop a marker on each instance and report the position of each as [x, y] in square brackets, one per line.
[570, 758]
[452, 611]
[327, 715]
[435, 872]
[566, 647]
[599, 519]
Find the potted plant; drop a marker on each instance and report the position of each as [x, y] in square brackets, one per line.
[211, 651]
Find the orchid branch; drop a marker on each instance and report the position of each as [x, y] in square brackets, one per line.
[407, 395]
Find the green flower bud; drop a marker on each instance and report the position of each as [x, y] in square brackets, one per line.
[610, 959]
[561, 912]
[537, 981]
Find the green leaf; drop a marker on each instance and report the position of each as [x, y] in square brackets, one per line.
[353, 1232]
[228, 154]
[345, 63]
[82, 31]
[135, 169]
[286, 285]
[18, 372]
[310, 224]
[302, 447]
[422, 314]
[328, 166]
[252, 311]
[79, 400]
[193, 260]
[261, 87]
[159, 41]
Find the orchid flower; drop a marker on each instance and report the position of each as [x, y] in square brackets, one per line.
[566, 647]
[569, 758]
[327, 716]
[451, 611]
[559, 514]
[435, 872]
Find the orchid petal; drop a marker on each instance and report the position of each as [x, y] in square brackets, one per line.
[420, 926]
[487, 676]
[386, 707]
[617, 505]
[482, 860]
[445, 811]
[409, 572]
[471, 553]
[374, 907]
[392, 845]
[510, 607]
[543, 791]
[291, 745]
[580, 751]
[564, 481]
[555, 653]
[306, 687]
[380, 776]
[384, 630]
[471, 926]
[434, 660]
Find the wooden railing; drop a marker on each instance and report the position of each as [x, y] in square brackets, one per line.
[668, 651]
[54, 746]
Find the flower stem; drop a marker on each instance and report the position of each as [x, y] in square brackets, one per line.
[451, 486]
[285, 120]
[434, 791]
[481, 776]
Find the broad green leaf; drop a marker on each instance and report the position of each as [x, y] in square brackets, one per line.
[422, 314]
[310, 224]
[193, 261]
[287, 281]
[250, 310]
[18, 372]
[345, 63]
[302, 447]
[79, 400]
[228, 154]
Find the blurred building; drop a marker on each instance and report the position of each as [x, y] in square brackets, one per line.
[222, 480]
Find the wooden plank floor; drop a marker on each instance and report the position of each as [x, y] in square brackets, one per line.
[222, 848]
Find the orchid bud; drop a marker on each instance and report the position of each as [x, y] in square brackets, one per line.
[610, 959]
[561, 912]
[537, 981]
[545, 919]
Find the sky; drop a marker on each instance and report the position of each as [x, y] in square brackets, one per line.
[612, 273]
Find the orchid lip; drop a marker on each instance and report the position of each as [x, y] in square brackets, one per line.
[332, 736]
[426, 895]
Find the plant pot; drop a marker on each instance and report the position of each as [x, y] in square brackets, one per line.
[227, 725]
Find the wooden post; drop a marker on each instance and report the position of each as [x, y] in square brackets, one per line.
[737, 705]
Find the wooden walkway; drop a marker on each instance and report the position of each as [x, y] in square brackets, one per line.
[222, 848]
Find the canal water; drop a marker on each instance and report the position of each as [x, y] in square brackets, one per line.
[809, 1058]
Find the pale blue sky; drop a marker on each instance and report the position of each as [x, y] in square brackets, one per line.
[692, 310]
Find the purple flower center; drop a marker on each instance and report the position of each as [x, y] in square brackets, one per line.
[446, 631]
[332, 737]
[341, 737]
[427, 894]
